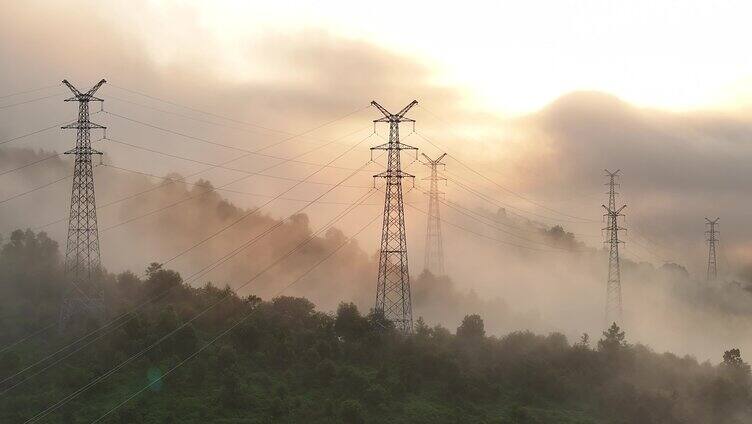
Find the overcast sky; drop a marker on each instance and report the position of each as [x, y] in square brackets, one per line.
[539, 96]
[508, 55]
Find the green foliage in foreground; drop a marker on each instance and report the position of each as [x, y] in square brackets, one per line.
[285, 362]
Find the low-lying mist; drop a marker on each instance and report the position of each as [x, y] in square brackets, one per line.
[511, 287]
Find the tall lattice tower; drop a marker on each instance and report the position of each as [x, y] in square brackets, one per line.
[85, 294]
[434, 260]
[613, 285]
[393, 285]
[712, 240]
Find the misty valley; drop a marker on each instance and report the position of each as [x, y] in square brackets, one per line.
[168, 342]
[346, 213]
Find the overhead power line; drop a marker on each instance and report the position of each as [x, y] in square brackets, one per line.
[215, 165]
[204, 140]
[506, 206]
[654, 247]
[10, 140]
[210, 189]
[33, 90]
[56, 155]
[256, 129]
[525, 198]
[251, 212]
[228, 190]
[234, 325]
[485, 221]
[457, 182]
[27, 337]
[16, 196]
[130, 315]
[125, 362]
[236, 159]
[272, 166]
[230, 119]
[205, 270]
[30, 101]
[636, 255]
[481, 235]
[492, 224]
[644, 248]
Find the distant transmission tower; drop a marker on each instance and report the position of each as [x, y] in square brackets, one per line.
[393, 285]
[613, 286]
[84, 295]
[434, 261]
[712, 240]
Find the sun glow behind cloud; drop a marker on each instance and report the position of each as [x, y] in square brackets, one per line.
[511, 56]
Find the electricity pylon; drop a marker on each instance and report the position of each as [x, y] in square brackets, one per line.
[712, 240]
[393, 284]
[434, 260]
[613, 285]
[82, 260]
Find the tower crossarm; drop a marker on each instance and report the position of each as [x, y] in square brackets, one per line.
[391, 117]
[75, 91]
[96, 87]
[393, 174]
[78, 96]
[612, 174]
[436, 161]
[610, 212]
[82, 151]
[78, 125]
[401, 114]
[394, 146]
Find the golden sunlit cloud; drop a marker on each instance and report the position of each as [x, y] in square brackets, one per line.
[511, 56]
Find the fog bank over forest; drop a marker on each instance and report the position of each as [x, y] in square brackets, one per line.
[677, 169]
[511, 287]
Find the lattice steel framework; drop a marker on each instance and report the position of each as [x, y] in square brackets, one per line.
[613, 285]
[82, 260]
[393, 285]
[434, 260]
[712, 240]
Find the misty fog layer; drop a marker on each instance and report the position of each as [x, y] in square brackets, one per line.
[677, 168]
[511, 287]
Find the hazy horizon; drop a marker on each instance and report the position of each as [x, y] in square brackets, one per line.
[555, 115]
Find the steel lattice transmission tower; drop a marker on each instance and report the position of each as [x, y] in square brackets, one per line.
[712, 240]
[393, 285]
[434, 260]
[82, 260]
[613, 285]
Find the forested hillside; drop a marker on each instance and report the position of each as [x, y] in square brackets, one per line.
[193, 355]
